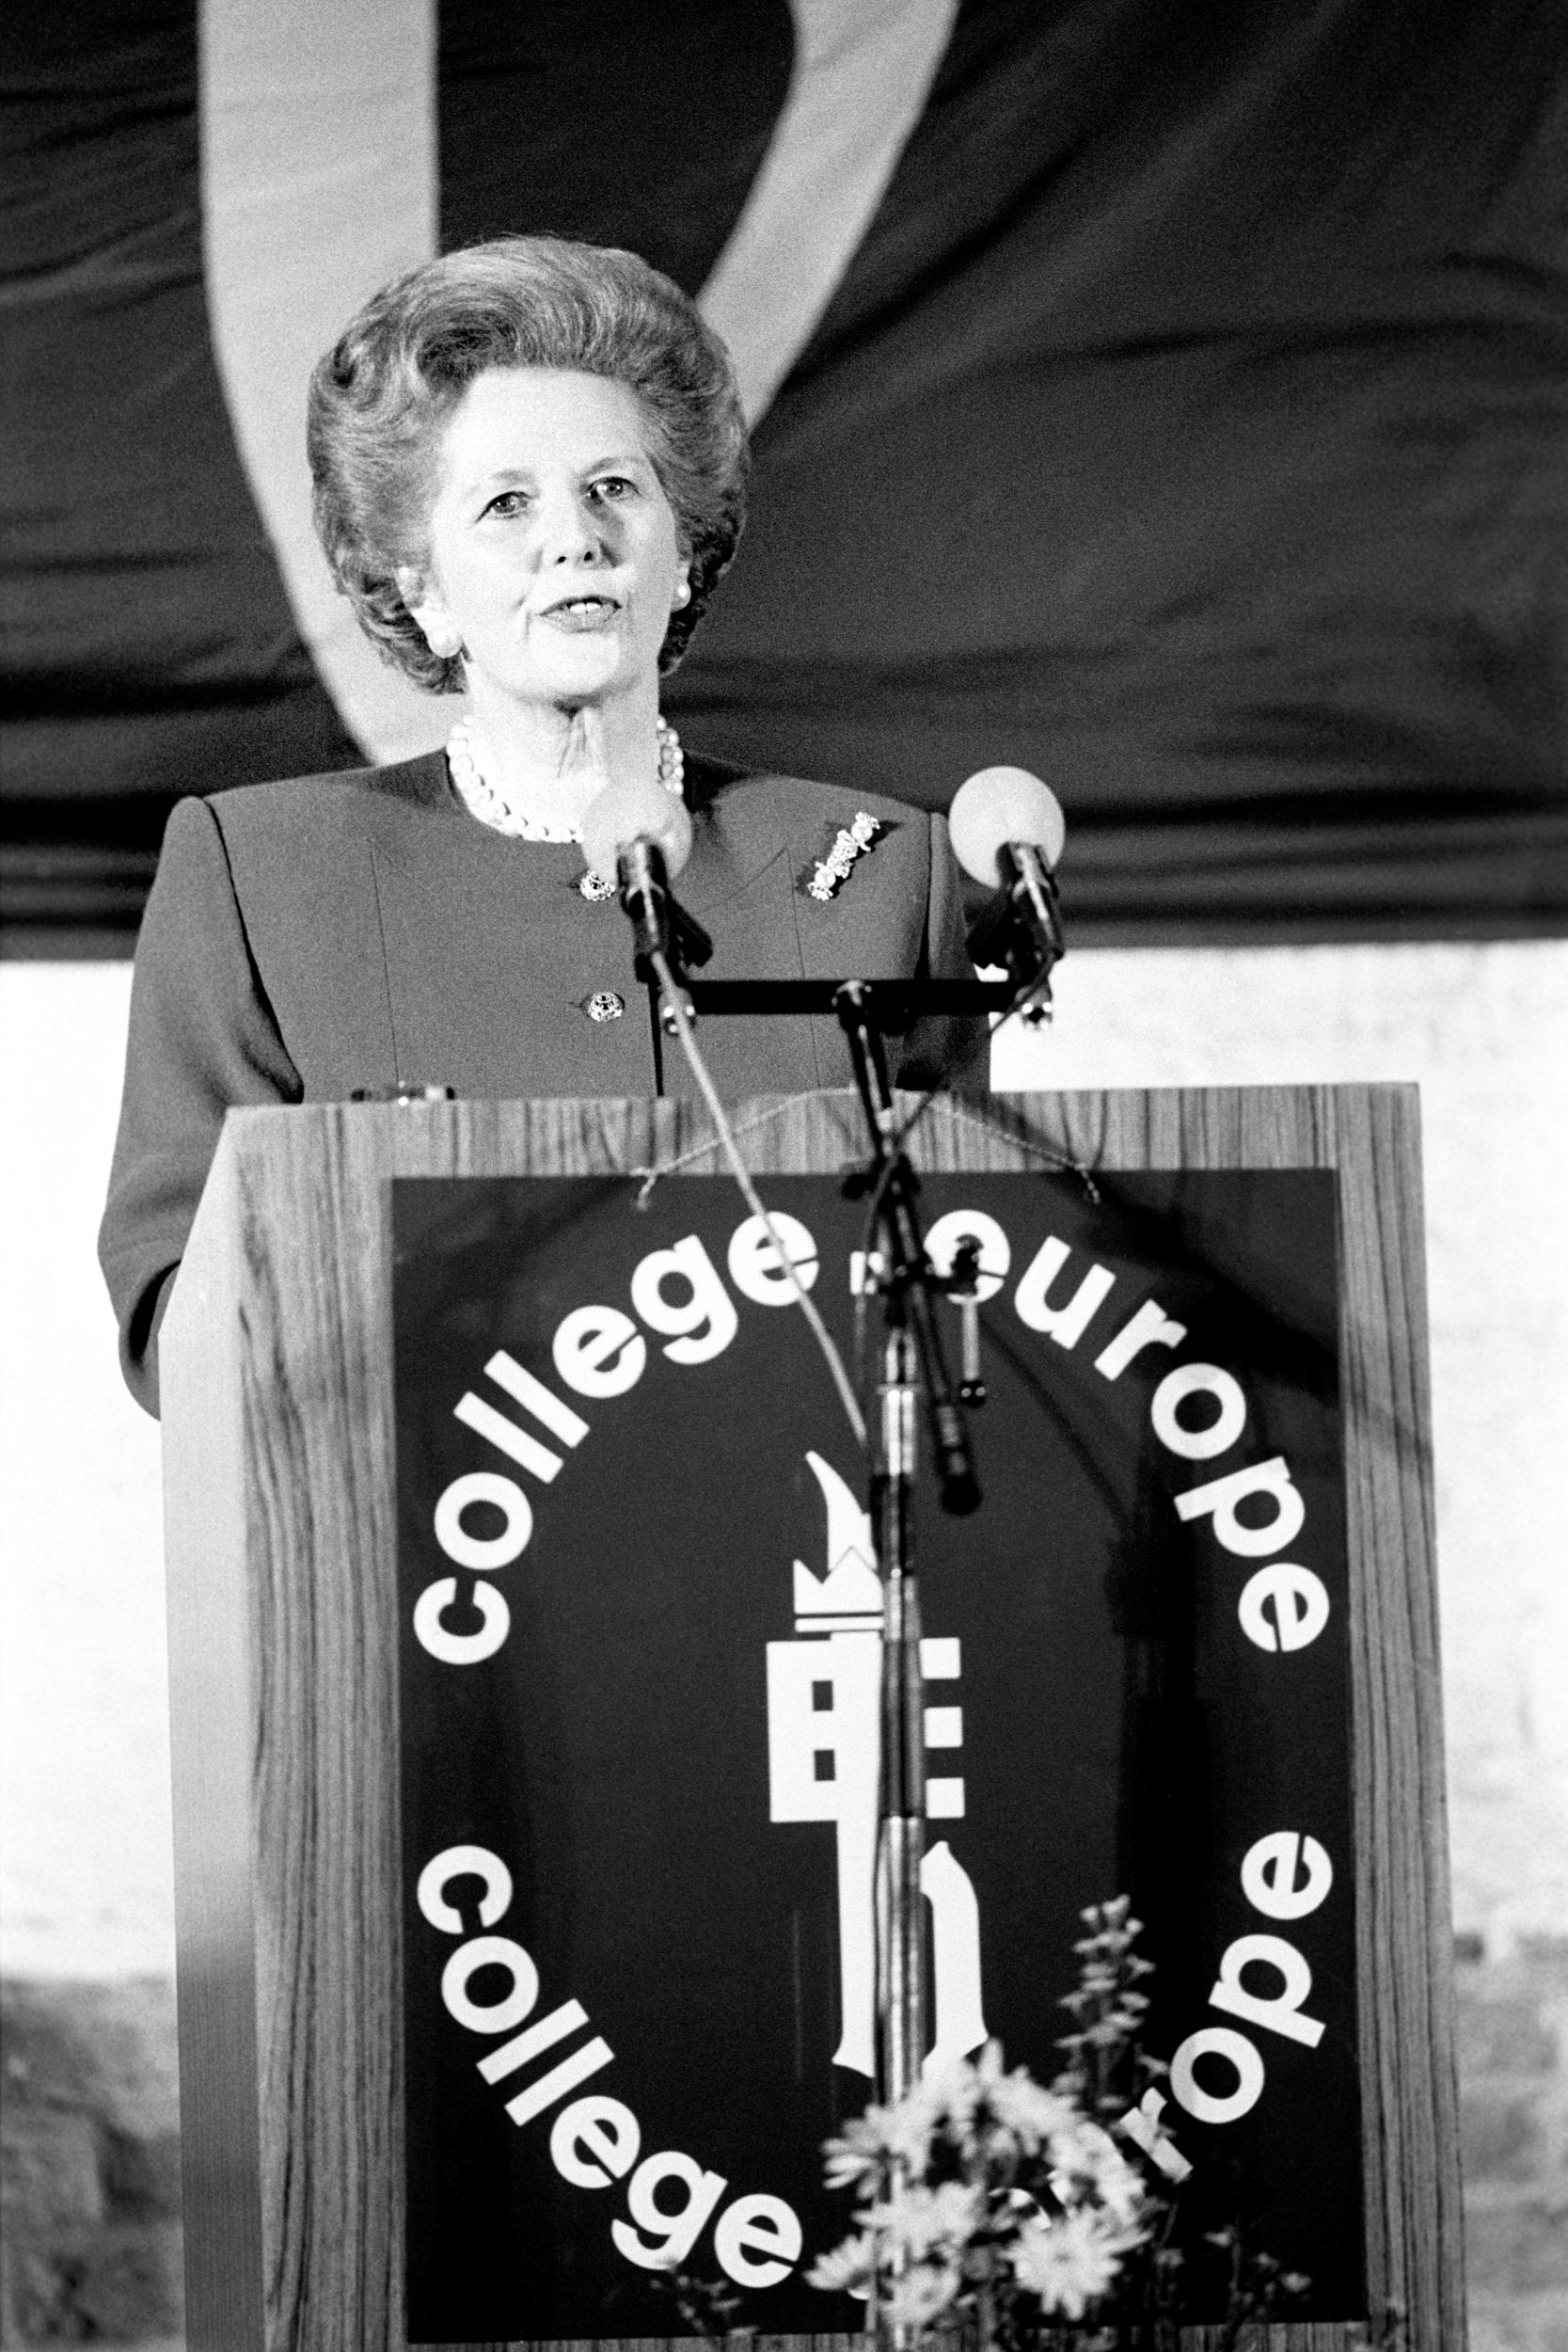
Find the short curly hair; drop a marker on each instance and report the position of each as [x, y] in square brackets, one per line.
[380, 398]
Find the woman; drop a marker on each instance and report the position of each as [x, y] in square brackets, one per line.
[530, 466]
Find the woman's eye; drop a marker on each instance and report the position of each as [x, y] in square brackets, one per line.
[614, 485]
[507, 503]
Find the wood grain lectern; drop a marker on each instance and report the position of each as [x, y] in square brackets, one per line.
[519, 1599]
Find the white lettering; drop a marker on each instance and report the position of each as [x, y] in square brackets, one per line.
[706, 1322]
[1300, 1606]
[754, 1262]
[535, 1458]
[595, 2141]
[675, 2234]
[757, 2225]
[484, 1553]
[1149, 1327]
[460, 1649]
[599, 1351]
[1235, 2051]
[1143, 2127]
[1217, 1435]
[1269, 1879]
[464, 1862]
[1065, 1324]
[556, 1416]
[1279, 2011]
[1222, 1496]
[489, 1951]
[515, 2055]
[560, 2080]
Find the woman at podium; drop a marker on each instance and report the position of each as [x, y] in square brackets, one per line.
[529, 466]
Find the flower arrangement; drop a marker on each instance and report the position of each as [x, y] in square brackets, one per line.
[994, 2206]
[1001, 2214]
[967, 2230]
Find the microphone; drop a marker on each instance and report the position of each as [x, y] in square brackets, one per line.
[642, 834]
[1008, 830]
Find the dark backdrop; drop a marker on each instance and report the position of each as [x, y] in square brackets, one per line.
[1189, 426]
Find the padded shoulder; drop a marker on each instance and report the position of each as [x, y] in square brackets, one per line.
[326, 804]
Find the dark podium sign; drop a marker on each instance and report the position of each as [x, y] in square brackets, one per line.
[638, 1676]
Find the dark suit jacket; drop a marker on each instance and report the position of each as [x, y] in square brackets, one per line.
[306, 939]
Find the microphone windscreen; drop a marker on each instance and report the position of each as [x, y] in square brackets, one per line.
[628, 812]
[999, 805]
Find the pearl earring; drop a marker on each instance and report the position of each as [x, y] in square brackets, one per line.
[682, 594]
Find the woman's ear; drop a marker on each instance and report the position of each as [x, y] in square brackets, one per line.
[441, 633]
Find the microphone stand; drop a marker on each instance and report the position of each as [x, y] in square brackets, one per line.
[912, 1362]
[1022, 928]
[1027, 929]
[660, 925]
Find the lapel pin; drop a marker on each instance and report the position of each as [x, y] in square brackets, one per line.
[854, 842]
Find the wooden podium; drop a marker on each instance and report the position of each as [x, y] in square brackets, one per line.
[279, 1486]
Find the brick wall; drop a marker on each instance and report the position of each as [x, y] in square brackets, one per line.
[90, 2163]
[1513, 2108]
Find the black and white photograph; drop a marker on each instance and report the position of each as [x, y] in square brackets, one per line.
[783, 1002]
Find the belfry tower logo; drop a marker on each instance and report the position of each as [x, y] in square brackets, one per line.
[823, 1756]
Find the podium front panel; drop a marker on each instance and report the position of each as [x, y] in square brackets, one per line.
[471, 1885]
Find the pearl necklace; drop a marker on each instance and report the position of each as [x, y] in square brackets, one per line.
[484, 801]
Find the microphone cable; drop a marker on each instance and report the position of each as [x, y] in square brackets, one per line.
[895, 1142]
[906, 1127]
[681, 1016]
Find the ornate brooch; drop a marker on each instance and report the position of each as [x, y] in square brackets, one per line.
[854, 840]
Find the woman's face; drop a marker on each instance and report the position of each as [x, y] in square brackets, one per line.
[554, 560]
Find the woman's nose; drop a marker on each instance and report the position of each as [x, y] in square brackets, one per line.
[571, 530]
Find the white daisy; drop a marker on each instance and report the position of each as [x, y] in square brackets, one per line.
[920, 2220]
[848, 2266]
[1070, 2262]
[923, 2297]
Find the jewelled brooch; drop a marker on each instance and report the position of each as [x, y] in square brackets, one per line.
[854, 840]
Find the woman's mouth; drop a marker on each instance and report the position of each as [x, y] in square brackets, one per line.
[582, 613]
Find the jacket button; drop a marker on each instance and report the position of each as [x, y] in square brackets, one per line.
[604, 1004]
